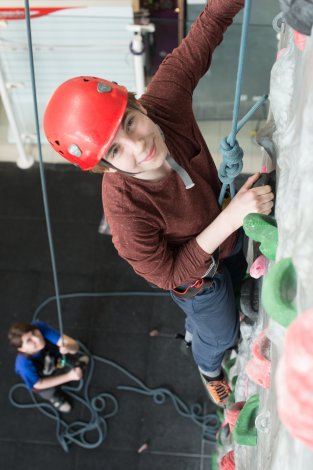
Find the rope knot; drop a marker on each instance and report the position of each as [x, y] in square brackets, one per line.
[231, 165]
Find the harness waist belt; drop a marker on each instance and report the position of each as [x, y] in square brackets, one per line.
[189, 291]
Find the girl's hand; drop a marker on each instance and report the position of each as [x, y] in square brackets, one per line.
[249, 200]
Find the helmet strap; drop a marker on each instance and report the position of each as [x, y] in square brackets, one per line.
[182, 173]
[106, 164]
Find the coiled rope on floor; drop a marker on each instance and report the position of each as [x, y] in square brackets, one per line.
[77, 432]
[231, 151]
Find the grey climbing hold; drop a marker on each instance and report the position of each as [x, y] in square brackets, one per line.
[249, 298]
[298, 14]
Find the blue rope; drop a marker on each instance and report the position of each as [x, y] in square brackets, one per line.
[98, 294]
[232, 153]
[41, 167]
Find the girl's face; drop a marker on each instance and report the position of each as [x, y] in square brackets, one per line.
[138, 146]
[32, 342]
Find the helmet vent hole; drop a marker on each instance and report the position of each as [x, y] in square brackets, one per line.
[85, 79]
[60, 151]
[57, 142]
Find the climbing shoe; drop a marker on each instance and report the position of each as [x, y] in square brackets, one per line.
[217, 389]
[59, 402]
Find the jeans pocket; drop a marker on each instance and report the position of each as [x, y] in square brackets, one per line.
[203, 301]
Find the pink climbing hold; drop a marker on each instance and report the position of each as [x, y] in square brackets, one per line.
[300, 40]
[259, 367]
[258, 268]
[294, 379]
[264, 169]
[228, 461]
[233, 412]
[280, 53]
[246, 387]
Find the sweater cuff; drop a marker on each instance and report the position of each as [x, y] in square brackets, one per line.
[201, 259]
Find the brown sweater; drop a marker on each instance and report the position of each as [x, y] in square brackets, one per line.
[154, 224]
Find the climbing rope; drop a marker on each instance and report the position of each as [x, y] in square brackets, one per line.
[41, 168]
[232, 153]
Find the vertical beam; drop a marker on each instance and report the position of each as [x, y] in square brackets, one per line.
[23, 160]
[181, 20]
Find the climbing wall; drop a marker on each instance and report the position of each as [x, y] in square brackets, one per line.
[292, 107]
[270, 416]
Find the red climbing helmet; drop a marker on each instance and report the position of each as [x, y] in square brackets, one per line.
[82, 118]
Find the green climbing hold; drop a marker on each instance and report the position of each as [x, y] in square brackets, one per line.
[263, 229]
[231, 399]
[279, 290]
[220, 415]
[227, 365]
[214, 461]
[234, 382]
[244, 432]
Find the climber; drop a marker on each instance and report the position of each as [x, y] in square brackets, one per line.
[40, 363]
[160, 187]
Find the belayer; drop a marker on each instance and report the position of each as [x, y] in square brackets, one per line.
[46, 360]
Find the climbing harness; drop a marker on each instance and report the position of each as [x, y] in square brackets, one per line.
[188, 291]
[193, 289]
[232, 153]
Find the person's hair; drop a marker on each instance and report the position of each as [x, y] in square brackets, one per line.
[132, 103]
[16, 331]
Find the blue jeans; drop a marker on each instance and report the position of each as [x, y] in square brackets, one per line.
[212, 317]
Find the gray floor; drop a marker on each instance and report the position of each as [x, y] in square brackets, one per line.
[116, 328]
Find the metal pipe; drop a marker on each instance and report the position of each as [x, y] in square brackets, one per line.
[24, 161]
[138, 50]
